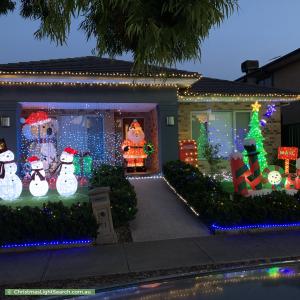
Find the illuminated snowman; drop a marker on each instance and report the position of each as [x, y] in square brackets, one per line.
[10, 183]
[38, 186]
[66, 183]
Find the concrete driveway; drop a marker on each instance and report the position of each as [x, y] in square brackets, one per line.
[161, 214]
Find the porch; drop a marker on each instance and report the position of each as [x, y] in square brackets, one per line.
[95, 130]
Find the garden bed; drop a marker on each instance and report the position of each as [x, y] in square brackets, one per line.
[224, 212]
[54, 224]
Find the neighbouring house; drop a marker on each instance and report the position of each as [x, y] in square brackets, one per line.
[283, 73]
[222, 110]
[88, 103]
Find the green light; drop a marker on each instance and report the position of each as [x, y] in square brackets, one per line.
[255, 134]
[273, 272]
[202, 141]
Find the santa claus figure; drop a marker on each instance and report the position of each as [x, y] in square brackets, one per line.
[133, 148]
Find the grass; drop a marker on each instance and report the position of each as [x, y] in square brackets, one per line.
[26, 199]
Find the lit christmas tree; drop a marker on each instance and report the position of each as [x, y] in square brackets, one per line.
[202, 141]
[255, 134]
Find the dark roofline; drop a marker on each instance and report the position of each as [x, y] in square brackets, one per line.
[90, 66]
[274, 65]
[207, 86]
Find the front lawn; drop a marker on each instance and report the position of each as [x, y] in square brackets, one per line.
[27, 199]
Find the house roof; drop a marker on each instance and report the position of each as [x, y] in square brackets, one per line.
[90, 65]
[210, 86]
[273, 65]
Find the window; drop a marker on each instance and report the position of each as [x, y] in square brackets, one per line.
[225, 128]
[83, 132]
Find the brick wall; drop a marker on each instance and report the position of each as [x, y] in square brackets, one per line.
[272, 131]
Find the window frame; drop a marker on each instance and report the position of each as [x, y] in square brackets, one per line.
[207, 111]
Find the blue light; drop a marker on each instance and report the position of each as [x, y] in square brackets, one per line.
[215, 227]
[46, 244]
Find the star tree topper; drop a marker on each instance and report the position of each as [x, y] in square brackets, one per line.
[256, 106]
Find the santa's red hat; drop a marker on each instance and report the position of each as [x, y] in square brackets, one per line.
[37, 118]
[135, 124]
[33, 159]
[70, 150]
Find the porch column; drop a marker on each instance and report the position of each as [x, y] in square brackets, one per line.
[168, 134]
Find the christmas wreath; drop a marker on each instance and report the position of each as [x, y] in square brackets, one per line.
[149, 148]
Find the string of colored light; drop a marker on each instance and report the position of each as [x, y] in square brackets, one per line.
[46, 243]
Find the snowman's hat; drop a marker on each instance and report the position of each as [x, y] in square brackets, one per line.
[70, 150]
[3, 146]
[32, 159]
[37, 118]
[135, 124]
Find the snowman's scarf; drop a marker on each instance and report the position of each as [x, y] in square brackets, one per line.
[58, 168]
[38, 173]
[2, 168]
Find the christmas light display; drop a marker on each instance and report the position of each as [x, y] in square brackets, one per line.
[39, 138]
[77, 165]
[38, 186]
[241, 174]
[188, 152]
[287, 153]
[255, 179]
[202, 140]
[66, 183]
[218, 128]
[87, 164]
[133, 147]
[149, 148]
[255, 134]
[47, 244]
[271, 108]
[10, 184]
[82, 125]
[273, 177]
[216, 228]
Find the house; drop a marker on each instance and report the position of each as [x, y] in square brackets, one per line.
[91, 103]
[224, 107]
[282, 73]
[88, 103]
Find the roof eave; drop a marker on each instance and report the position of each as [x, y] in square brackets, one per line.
[89, 80]
[219, 97]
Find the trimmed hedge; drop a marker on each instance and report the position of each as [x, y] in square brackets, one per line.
[54, 221]
[122, 195]
[214, 205]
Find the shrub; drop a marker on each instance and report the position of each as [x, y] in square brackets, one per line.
[122, 196]
[214, 205]
[54, 221]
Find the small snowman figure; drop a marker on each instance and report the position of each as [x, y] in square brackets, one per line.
[10, 183]
[38, 186]
[66, 183]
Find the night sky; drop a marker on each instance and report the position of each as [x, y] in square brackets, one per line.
[261, 29]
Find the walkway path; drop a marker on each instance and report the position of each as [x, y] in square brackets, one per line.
[40, 266]
[161, 214]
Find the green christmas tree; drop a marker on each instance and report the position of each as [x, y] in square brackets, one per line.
[202, 141]
[255, 134]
